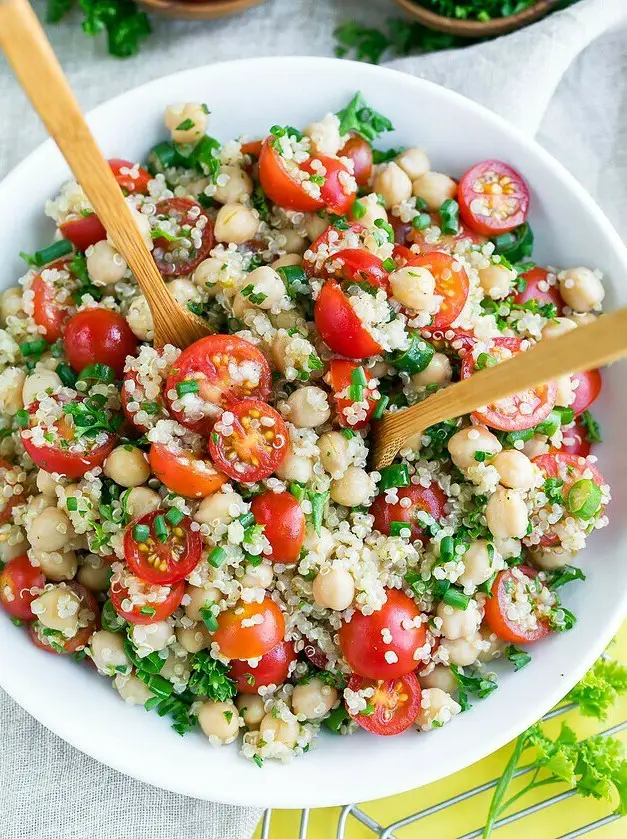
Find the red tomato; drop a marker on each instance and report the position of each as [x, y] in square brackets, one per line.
[256, 445]
[134, 180]
[271, 670]
[315, 655]
[451, 283]
[493, 198]
[89, 614]
[280, 185]
[537, 288]
[181, 256]
[339, 378]
[338, 324]
[226, 369]
[237, 639]
[575, 440]
[253, 148]
[163, 561]
[20, 584]
[587, 387]
[83, 232]
[72, 460]
[363, 647]
[446, 241]
[329, 241]
[185, 472]
[354, 265]
[339, 187]
[49, 311]
[284, 524]
[517, 412]
[498, 608]
[360, 152]
[396, 704]
[98, 336]
[152, 613]
[8, 478]
[430, 500]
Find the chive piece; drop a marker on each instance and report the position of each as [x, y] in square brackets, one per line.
[253, 560]
[174, 516]
[66, 374]
[348, 433]
[396, 527]
[358, 209]
[396, 475]
[22, 418]
[189, 386]
[355, 393]
[484, 360]
[415, 358]
[358, 377]
[421, 221]
[380, 407]
[517, 245]
[49, 254]
[389, 264]
[297, 490]
[71, 503]
[246, 519]
[386, 227]
[447, 549]
[17, 622]
[148, 610]
[566, 415]
[97, 373]
[141, 532]
[208, 618]
[456, 598]
[161, 528]
[336, 718]
[217, 557]
[318, 504]
[449, 215]
[34, 347]
[550, 425]
[584, 499]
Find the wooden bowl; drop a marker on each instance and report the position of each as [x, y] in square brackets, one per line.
[195, 10]
[476, 28]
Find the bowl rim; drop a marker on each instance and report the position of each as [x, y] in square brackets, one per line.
[383, 786]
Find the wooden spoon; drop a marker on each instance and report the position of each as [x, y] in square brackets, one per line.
[30, 55]
[584, 348]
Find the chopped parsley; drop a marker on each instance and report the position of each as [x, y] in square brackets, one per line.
[519, 658]
[593, 429]
[209, 678]
[126, 26]
[475, 683]
[359, 118]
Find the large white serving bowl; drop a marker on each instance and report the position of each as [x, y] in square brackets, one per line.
[248, 97]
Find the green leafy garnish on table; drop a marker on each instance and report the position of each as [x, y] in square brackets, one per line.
[123, 22]
[600, 688]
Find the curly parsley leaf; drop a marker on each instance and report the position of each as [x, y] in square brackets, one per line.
[360, 118]
[562, 576]
[600, 688]
[475, 683]
[209, 678]
[125, 25]
[519, 658]
[593, 429]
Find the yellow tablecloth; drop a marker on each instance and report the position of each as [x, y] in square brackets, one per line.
[456, 821]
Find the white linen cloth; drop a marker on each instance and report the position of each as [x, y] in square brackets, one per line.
[564, 78]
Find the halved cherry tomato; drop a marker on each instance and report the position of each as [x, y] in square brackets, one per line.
[280, 185]
[271, 670]
[83, 232]
[451, 283]
[339, 187]
[446, 241]
[396, 704]
[134, 181]
[253, 148]
[537, 288]
[8, 478]
[339, 326]
[505, 593]
[283, 524]
[226, 369]
[575, 440]
[52, 304]
[98, 336]
[89, 611]
[360, 152]
[256, 444]
[167, 554]
[517, 412]
[587, 386]
[493, 198]
[185, 472]
[181, 256]
[355, 265]
[20, 584]
[330, 240]
[429, 499]
[238, 637]
[339, 378]
[154, 611]
[362, 639]
[66, 454]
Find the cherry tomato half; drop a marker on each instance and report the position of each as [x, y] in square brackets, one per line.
[166, 553]
[185, 472]
[8, 497]
[493, 198]
[98, 336]
[355, 265]
[587, 386]
[52, 305]
[281, 185]
[429, 499]
[451, 283]
[360, 152]
[575, 440]
[238, 638]
[283, 524]
[20, 584]
[393, 707]
[330, 241]
[339, 187]
[339, 326]
[155, 610]
[83, 232]
[181, 255]
[513, 586]
[339, 378]
[538, 288]
[132, 178]
[89, 614]
[271, 670]
[363, 647]
[517, 412]
[256, 442]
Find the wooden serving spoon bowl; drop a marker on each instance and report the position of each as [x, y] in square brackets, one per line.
[198, 9]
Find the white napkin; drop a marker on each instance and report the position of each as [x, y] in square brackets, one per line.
[565, 77]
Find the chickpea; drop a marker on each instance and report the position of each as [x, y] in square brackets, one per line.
[506, 514]
[440, 677]
[251, 709]
[557, 327]
[581, 289]
[236, 223]
[437, 372]
[287, 260]
[334, 588]
[279, 731]
[583, 318]
[38, 383]
[193, 638]
[208, 275]
[259, 576]
[267, 284]
[508, 547]
[315, 226]
[184, 291]
[46, 484]
[107, 652]
[198, 599]
[105, 265]
[437, 706]
[372, 210]
[139, 319]
[127, 466]
[314, 700]
[11, 385]
[477, 564]
[219, 721]
[289, 319]
[295, 243]
[132, 690]
[464, 444]
[458, 623]
[355, 487]
[414, 286]
[565, 395]
[434, 189]
[515, 469]
[496, 281]
[537, 445]
[55, 565]
[220, 508]
[58, 608]
[93, 573]
[463, 651]
[152, 637]
[334, 453]
[141, 500]
[142, 223]
[492, 645]
[414, 162]
[51, 530]
[295, 467]
[187, 121]
[551, 559]
[325, 135]
[10, 304]
[37, 503]
[238, 185]
[308, 407]
[9, 552]
[322, 544]
[393, 184]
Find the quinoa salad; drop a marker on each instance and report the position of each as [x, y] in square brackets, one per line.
[202, 527]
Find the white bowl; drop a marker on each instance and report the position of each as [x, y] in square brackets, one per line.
[248, 97]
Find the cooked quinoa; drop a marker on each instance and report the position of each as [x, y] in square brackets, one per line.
[204, 524]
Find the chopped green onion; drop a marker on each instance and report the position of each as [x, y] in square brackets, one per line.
[318, 503]
[22, 418]
[97, 373]
[386, 227]
[396, 527]
[163, 156]
[161, 528]
[389, 264]
[421, 221]
[484, 360]
[456, 598]
[294, 278]
[71, 503]
[358, 377]
[246, 519]
[297, 490]
[157, 684]
[449, 215]
[348, 433]
[217, 557]
[150, 407]
[447, 549]
[174, 516]
[550, 425]
[358, 210]
[17, 622]
[516, 245]
[584, 498]
[335, 719]
[396, 475]
[208, 618]
[148, 610]
[355, 393]
[141, 532]
[380, 407]
[189, 386]
[415, 358]
[49, 254]
[34, 347]
[253, 560]
[66, 374]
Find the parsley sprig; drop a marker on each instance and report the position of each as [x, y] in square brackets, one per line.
[209, 678]
[125, 25]
[358, 117]
[91, 417]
